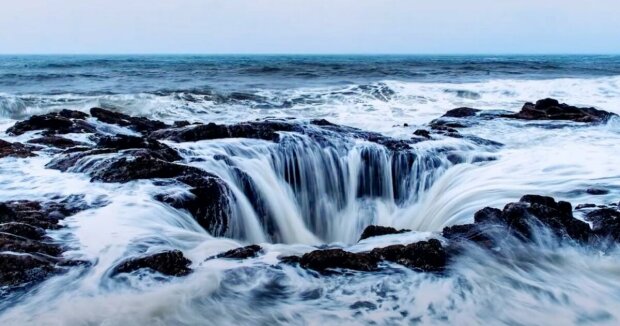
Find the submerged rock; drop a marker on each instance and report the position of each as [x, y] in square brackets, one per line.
[597, 191]
[171, 263]
[376, 230]
[20, 150]
[551, 109]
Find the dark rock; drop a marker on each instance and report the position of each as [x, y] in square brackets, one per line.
[597, 191]
[488, 214]
[171, 263]
[266, 130]
[422, 133]
[122, 142]
[461, 112]
[376, 230]
[470, 232]
[551, 109]
[22, 230]
[139, 165]
[322, 122]
[140, 124]
[20, 269]
[426, 256]
[54, 123]
[582, 206]
[55, 141]
[241, 253]
[180, 124]
[15, 150]
[323, 260]
[290, 260]
[27, 254]
[605, 222]
[208, 201]
[520, 217]
[72, 114]
[13, 243]
[70, 159]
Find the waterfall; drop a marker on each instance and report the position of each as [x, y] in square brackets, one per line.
[300, 190]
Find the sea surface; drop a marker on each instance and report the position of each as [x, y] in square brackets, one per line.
[548, 283]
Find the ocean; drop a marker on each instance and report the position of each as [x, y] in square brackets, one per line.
[319, 188]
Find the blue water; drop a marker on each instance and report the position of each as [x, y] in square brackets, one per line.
[203, 74]
[549, 283]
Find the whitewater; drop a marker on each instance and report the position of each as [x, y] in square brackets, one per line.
[318, 194]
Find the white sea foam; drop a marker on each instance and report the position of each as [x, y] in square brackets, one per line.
[543, 283]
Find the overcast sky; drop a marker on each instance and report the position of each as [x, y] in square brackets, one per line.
[310, 26]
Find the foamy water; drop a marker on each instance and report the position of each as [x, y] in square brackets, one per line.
[546, 282]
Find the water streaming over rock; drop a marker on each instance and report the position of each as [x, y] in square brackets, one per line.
[320, 185]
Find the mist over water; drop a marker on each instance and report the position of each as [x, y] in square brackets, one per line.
[310, 193]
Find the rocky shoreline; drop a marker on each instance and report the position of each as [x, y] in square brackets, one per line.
[30, 256]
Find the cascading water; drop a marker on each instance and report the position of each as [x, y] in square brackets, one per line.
[301, 191]
[319, 188]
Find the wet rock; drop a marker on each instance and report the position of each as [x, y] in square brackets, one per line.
[20, 269]
[470, 232]
[531, 210]
[266, 130]
[123, 142]
[242, 253]
[376, 230]
[22, 230]
[171, 263]
[605, 222]
[71, 159]
[488, 214]
[422, 133]
[55, 141]
[20, 150]
[323, 260]
[461, 112]
[290, 260]
[427, 256]
[17, 244]
[207, 201]
[139, 124]
[138, 165]
[180, 124]
[27, 254]
[551, 109]
[62, 122]
[583, 206]
[597, 191]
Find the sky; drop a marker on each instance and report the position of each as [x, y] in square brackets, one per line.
[310, 26]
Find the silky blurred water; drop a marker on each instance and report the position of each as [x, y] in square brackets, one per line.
[548, 282]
